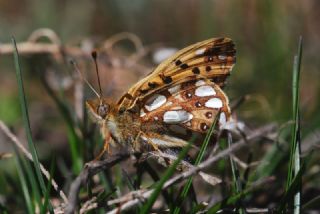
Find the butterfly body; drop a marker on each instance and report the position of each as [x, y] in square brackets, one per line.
[184, 93]
[114, 123]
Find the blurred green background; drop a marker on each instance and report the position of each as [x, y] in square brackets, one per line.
[266, 34]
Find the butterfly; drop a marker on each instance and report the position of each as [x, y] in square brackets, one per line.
[184, 93]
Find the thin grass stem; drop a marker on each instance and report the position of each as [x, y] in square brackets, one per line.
[26, 121]
[294, 161]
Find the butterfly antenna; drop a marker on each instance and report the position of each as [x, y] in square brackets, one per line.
[94, 57]
[75, 66]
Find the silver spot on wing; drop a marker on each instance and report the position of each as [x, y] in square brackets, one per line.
[204, 91]
[174, 89]
[181, 116]
[214, 103]
[200, 82]
[155, 102]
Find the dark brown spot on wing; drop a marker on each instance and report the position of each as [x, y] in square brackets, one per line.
[220, 80]
[204, 126]
[198, 104]
[178, 62]
[166, 79]
[196, 70]
[184, 66]
[209, 114]
[188, 94]
[152, 84]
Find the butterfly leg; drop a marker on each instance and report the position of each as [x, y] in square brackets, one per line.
[158, 141]
[154, 146]
[106, 147]
[145, 138]
[135, 143]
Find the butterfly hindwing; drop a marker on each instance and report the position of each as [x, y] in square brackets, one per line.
[192, 105]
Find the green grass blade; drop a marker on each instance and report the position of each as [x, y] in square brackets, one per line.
[235, 174]
[295, 107]
[44, 207]
[168, 173]
[26, 121]
[197, 161]
[32, 178]
[294, 160]
[293, 188]
[297, 166]
[297, 132]
[24, 186]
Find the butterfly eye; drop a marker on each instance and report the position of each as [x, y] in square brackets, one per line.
[103, 110]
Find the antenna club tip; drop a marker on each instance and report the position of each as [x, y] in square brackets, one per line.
[94, 54]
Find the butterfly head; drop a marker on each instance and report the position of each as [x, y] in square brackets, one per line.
[99, 108]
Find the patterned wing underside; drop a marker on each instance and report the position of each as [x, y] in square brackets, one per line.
[192, 105]
[211, 59]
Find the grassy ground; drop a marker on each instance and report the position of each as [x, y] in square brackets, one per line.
[277, 172]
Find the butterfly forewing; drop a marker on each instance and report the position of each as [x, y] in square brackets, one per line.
[211, 59]
[192, 105]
